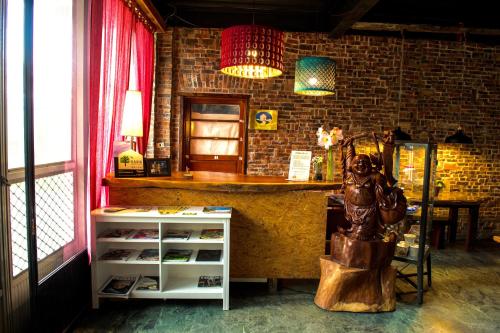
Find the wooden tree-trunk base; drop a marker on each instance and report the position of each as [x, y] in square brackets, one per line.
[355, 290]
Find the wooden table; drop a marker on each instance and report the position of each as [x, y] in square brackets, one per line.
[278, 226]
[454, 202]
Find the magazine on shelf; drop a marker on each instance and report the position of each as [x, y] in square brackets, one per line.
[165, 210]
[217, 209]
[116, 234]
[113, 209]
[177, 255]
[209, 255]
[138, 209]
[212, 234]
[119, 286]
[146, 234]
[149, 255]
[118, 254]
[178, 234]
[148, 283]
[210, 281]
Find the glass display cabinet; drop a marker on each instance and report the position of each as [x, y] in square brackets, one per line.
[414, 169]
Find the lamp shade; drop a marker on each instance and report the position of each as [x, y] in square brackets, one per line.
[400, 135]
[458, 137]
[132, 114]
[315, 76]
[252, 51]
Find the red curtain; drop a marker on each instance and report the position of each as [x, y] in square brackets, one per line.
[111, 26]
[145, 69]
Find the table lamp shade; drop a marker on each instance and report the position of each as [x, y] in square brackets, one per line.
[315, 76]
[132, 114]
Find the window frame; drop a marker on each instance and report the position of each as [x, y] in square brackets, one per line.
[77, 164]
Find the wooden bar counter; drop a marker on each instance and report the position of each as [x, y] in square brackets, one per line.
[278, 227]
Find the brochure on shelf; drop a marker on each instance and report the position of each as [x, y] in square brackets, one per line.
[119, 286]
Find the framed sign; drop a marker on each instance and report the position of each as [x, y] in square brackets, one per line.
[129, 164]
[300, 164]
[158, 167]
[264, 120]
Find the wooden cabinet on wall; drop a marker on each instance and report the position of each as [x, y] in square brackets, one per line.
[214, 134]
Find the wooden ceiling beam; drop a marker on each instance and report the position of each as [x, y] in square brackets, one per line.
[356, 9]
[152, 14]
[423, 28]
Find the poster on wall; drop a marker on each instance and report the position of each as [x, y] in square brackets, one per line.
[300, 163]
[264, 120]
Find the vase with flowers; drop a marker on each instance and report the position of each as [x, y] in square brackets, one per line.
[317, 162]
[328, 139]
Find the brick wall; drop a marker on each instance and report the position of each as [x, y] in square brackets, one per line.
[444, 84]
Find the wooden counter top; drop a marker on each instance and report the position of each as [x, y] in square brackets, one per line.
[221, 182]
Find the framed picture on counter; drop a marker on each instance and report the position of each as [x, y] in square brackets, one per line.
[129, 164]
[158, 167]
[264, 120]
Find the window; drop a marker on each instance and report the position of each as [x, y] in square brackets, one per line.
[58, 131]
[214, 134]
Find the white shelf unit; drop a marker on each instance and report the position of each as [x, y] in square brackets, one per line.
[176, 279]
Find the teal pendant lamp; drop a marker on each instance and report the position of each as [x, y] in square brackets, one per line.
[315, 76]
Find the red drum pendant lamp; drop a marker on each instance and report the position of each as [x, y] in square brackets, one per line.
[252, 51]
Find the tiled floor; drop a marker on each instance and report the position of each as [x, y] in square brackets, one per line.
[465, 297]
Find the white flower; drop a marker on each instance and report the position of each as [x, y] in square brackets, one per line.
[325, 140]
[319, 131]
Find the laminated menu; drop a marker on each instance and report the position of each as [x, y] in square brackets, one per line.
[217, 209]
[119, 286]
[212, 234]
[118, 254]
[148, 283]
[177, 255]
[178, 234]
[149, 255]
[116, 234]
[209, 255]
[210, 281]
[146, 234]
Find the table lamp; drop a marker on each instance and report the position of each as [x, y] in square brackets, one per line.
[132, 116]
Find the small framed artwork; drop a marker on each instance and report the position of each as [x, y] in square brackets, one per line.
[158, 167]
[264, 120]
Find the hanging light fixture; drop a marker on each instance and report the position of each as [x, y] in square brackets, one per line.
[315, 76]
[399, 134]
[459, 136]
[252, 51]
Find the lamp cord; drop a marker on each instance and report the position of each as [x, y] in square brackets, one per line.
[464, 49]
[401, 63]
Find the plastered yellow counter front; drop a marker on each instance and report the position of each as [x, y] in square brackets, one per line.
[278, 227]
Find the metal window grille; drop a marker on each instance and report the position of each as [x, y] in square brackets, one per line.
[54, 216]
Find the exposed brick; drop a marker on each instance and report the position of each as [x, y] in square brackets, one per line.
[445, 85]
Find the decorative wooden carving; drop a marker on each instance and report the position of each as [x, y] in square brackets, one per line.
[353, 278]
